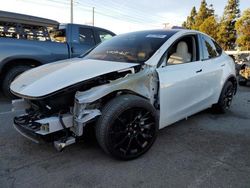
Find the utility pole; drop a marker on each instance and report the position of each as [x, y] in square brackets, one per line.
[93, 16]
[165, 25]
[71, 11]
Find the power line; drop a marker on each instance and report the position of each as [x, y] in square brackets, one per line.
[114, 13]
[120, 12]
[117, 15]
[135, 10]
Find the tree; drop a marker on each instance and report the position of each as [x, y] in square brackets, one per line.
[243, 31]
[203, 13]
[189, 24]
[210, 27]
[210, 10]
[184, 25]
[227, 32]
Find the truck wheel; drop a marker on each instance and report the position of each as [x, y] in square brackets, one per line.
[225, 99]
[9, 77]
[127, 127]
[242, 81]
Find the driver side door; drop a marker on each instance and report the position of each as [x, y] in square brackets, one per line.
[182, 87]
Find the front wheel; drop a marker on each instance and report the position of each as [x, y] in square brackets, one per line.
[127, 127]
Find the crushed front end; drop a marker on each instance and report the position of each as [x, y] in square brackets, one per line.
[62, 117]
[58, 119]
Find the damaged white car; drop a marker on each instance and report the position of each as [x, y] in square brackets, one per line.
[127, 87]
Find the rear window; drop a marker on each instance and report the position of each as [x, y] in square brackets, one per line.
[135, 47]
[23, 31]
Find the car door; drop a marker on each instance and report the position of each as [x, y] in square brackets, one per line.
[84, 41]
[213, 64]
[182, 87]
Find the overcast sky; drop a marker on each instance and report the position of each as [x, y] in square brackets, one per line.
[117, 15]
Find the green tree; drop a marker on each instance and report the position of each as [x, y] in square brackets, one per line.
[243, 30]
[203, 13]
[189, 24]
[210, 10]
[184, 25]
[227, 32]
[210, 27]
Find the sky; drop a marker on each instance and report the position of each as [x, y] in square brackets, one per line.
[119, 16]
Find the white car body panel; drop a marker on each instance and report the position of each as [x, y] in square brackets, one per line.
[183, 92]
[52, 77]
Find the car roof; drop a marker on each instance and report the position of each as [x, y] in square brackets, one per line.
[87, 26]
[26, 19]
[159, 31]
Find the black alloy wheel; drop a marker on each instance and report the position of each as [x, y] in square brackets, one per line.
[228, 97]
[128, 127]
[225, 99]
[132, 131]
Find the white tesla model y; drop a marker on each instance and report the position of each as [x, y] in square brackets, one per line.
[127, 88]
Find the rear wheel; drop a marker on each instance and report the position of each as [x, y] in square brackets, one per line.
[225, 99]
[9, 77]
[128, 127]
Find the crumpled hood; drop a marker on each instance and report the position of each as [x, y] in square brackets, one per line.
[52, 77]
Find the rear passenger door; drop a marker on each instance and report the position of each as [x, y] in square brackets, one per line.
[82, 41]
[213, 64]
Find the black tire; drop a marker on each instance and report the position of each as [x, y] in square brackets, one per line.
[127, 127]
[9, 77]
[225, 99]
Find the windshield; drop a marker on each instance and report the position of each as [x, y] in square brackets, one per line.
[135, 47]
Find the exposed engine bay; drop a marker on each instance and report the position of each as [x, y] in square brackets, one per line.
[61, 116]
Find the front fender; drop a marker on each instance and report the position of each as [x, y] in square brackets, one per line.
[141, 83]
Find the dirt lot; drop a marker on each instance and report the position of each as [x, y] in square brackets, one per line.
[207, 150]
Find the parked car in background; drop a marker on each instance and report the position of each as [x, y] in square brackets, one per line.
[244, 74]
[128, 87]
[242, 64]
[28, 41]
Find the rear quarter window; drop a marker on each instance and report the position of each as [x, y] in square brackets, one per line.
[210, 48]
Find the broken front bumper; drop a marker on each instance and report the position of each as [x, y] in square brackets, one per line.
[27, 131]
[62, 129]
[40, 130]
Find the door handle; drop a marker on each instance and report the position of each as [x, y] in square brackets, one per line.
[223, 65]
[198, 71]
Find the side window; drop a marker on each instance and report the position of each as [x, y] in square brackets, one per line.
[58, 35]
[209, 48]
[24, 31]
[218, 48]
[86, 36]
[184, 50]
[103, 35]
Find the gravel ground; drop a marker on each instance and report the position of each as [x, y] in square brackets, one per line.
[206, 150]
